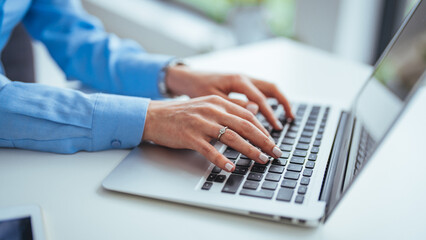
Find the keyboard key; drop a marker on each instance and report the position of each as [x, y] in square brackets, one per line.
[276, 169]
[319, 136]
[244, 162]
[255, 176]
[307, 172]
[231, 153]
[260, 194]
[258, 168]
[299, 199]
[273, 177]
[302, 189]
[285, 194]
[288, 183]
[299, 153]
[285, 155]
[276, 133]
[321, 130]
[312, 157]
[294, 167]
[233, 183]
[317, 143]
[207, 186]
[216, 169]
[302, 146]
[315, 150]
[251, 185]
[286, 148]
[220, 178]
[279, 161]
[304, 140]
[291, 135]
[244, 157]
[262, 164]
[305, 181]
[310, 164]
[240, 170]
[288, 141]
[297, 160]
[293, 129]
[307, 134]
[269, 185]
[309, 129]
[311, 123]
[211, 177]
[291, 175]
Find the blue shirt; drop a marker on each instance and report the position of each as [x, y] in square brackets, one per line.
[40, 117]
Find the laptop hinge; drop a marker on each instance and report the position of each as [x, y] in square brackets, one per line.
[334, 176]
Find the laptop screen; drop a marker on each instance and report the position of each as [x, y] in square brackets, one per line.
[385, 94]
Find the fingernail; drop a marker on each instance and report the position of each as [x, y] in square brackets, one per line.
[263, 157]
[277, 152]
[270, 138]
[252, 108]
[229, 166]
[280, 126]
[290, 120]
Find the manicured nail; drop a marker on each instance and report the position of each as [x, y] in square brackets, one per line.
[252, 108]
[270, 138]
[277, 152]
[263, 157]
[280, 126]
[229, 166]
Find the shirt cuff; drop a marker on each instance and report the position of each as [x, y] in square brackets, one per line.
[118, 121]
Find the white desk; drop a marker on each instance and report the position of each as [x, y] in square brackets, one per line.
[387, 206]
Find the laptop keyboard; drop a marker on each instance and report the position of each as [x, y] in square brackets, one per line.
[286, 178]
[365, 148]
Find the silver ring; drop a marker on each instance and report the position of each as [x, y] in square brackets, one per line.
[221, 132]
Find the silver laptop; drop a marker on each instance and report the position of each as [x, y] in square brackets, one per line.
[324, 148]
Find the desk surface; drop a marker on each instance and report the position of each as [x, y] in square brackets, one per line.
[75, 206]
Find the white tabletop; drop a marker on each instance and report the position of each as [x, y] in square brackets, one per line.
[386, 202]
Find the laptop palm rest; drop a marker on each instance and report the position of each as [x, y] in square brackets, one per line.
[155, 171]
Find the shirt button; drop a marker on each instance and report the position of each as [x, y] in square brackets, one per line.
[115, 143]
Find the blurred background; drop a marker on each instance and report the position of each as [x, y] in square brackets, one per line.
[358, 30]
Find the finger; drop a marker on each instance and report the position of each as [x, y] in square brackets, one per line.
[271, 90]
[232, 139]
[253, 94]
[214, 156]
[243, 113]
[248, 131]
[249, 105]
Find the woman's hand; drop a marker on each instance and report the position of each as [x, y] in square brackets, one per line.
[194, 123]
[181, 80]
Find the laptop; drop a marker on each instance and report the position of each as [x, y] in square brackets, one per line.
[324, 148]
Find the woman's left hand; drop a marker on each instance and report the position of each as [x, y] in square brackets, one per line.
[181, 80]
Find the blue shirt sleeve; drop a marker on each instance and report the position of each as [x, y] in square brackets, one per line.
[40, 117]
[85, 52]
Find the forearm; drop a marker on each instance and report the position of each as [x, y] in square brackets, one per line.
[85, 52]
[44, 118]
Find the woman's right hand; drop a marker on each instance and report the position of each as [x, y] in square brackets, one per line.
[192, 124]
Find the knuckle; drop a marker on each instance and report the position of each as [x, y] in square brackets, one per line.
[205, 150]
[232, 136]
[214, 99]
[246, 126]
[253, 152]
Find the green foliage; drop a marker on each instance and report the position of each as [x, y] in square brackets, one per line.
[280, 13]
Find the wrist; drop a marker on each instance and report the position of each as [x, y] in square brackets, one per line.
[151, 120]
[175, 79]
